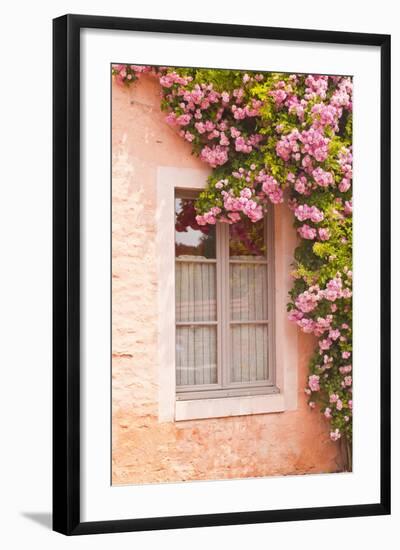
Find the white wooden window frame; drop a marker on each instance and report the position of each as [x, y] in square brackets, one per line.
[282, 393]
[224, 387]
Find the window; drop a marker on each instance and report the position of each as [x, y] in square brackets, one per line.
[198, 400]
[223, 306]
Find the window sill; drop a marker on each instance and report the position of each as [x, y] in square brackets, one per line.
[229, 406]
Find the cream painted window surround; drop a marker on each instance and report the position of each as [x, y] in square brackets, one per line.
[285, 382]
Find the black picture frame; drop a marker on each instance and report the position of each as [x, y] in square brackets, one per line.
[66, 273]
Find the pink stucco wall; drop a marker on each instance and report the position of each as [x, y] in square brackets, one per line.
[143, 449]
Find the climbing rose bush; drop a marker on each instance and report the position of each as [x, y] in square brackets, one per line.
[271, 137]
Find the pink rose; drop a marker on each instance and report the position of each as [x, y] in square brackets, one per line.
[313, 382]
[323, 233]
[307, 232]
[325, 343]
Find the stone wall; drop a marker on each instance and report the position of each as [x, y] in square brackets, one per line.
[143, 449]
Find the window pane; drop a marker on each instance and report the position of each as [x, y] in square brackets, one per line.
[196, 355]
[249, 353]
[195, 291]
[248, 292]
[247, 239]
[192, 239]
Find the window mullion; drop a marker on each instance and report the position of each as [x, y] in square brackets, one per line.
[270, 240]
[225, 309]
[220, 285]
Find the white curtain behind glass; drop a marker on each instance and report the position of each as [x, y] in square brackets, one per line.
[195, 297]
[196, 344]
[248, 308]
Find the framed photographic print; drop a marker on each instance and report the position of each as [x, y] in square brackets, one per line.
[221, 314]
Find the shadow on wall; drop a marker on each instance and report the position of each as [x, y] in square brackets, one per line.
[42, 518]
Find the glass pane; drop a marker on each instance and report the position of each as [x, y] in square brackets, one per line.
[195, 291]
[247, 239]
[248, 292]
[249, 353]
[196, 355]
[192, 239]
